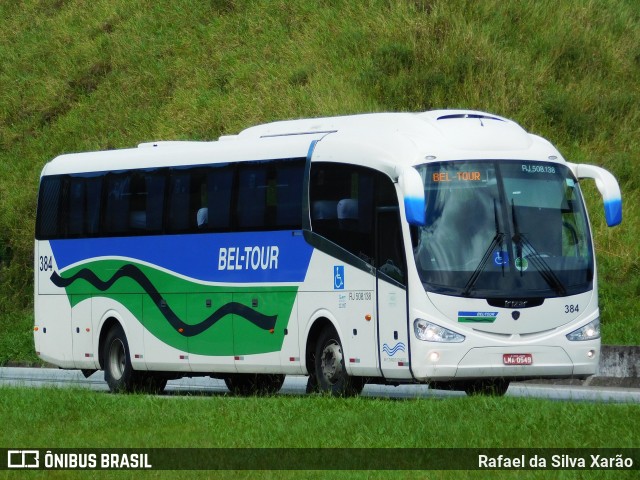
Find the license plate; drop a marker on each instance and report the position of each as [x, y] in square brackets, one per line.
[517, 359]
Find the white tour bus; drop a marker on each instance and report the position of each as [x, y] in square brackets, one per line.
[448, 247]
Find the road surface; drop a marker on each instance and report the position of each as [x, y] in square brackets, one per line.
[296, 385]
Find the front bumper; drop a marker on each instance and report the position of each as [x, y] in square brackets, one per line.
[445, 362]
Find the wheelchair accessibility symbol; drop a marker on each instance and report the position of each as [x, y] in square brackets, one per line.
[338, 277]
[501, 258]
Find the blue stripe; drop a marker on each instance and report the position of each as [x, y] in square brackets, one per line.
[246, 257]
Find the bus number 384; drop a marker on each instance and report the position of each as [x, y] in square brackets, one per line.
[46, 263]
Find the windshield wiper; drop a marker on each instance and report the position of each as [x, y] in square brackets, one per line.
[497, 240]
[524, 247]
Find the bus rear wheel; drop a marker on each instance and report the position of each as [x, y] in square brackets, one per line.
[118, 372]
[149, 383]
[330, 372]
[254, 383]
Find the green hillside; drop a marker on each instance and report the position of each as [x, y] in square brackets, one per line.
[104, 74]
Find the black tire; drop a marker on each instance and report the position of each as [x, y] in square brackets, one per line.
[116, 360]
[494, 386]
[254, 383]
[330, 372]
[149, 383]
[312, 383]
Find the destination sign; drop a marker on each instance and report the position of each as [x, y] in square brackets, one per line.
[463, 176]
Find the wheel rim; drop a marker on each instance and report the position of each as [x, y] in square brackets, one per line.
[331, 362]
[117, 359]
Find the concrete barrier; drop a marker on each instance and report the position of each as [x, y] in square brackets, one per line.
[619, 361]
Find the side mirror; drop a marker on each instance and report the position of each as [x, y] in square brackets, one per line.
[608, 187]
[413, 192]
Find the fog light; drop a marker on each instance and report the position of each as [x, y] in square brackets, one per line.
[591, 353]
[434, 357]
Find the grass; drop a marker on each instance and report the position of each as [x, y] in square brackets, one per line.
[106, 74]
[16, 338]
[57, 418]
[112, 73]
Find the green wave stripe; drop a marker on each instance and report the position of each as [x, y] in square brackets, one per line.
[192, 302]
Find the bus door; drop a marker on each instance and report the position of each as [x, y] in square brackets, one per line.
[391, 274]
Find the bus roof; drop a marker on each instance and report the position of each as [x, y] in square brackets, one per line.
[413, 138]
[387, 141]
[167, 154]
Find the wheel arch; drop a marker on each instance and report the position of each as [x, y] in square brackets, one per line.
[109, 322]
[317, 326]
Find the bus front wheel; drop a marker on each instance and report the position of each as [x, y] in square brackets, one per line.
[330, 372]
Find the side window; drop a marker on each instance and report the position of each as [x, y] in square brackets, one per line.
[270, 195]
[83, 207]
[216, 214]
[289, 180]
[76, 205]
[252, 196]
[342, 206]
[154, 184]
[69, 207]
[93, 198]
[263, 195]
[357, 208]
[179, 194]
[134, 203]
[390, 258]
[195, 200]
[49, 208]
[118, 196]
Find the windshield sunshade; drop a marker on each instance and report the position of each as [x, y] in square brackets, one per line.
[502, 229]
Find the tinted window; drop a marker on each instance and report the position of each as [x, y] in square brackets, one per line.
[253, 189]
[49, 207]
[179, 199]
[118, 198]
[69, 207]
[346, 201]
[265, 195]
[270, 195]
[218, 193]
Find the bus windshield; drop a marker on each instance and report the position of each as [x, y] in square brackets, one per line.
[503, 229]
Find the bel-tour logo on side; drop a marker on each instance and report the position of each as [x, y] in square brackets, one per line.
[248, 258]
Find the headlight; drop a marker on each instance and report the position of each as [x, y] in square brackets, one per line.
[590, 331]
[430, 332]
